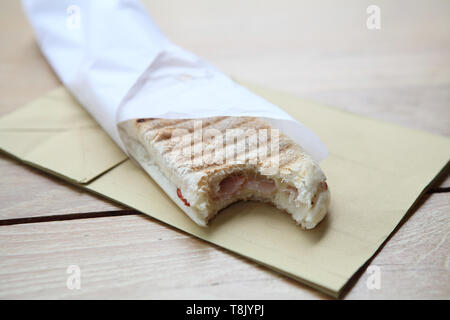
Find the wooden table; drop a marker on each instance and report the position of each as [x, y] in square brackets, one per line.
[321, 50]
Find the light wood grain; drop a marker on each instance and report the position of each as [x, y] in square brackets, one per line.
[320, 50]
[137, 257]
[25, 193]
[24, 72]
[415, 263]
[127, 257]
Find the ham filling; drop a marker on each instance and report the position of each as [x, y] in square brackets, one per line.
[237, 183]
[234, 184]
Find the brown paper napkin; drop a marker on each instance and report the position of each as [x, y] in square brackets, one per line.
[375, 171]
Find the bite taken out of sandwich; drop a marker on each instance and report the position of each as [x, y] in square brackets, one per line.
[205, 165]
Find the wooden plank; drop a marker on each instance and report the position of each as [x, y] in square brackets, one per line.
[26, 192]
[137, 257]
[414, 264]
[127, 257]
[322, 50]
[24, 72]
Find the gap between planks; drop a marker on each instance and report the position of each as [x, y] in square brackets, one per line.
[73, 216]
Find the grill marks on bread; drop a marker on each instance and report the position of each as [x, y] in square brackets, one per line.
[160, 131]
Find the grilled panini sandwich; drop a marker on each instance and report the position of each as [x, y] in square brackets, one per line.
[204, 165]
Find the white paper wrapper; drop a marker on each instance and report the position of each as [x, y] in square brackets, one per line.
[116, 62]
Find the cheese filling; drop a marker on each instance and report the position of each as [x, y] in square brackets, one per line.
[236, 184]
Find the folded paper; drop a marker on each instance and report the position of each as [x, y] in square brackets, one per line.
[375, 170]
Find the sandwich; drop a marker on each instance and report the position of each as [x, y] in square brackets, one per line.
[205, 165]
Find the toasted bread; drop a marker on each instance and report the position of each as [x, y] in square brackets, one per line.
[205, 171]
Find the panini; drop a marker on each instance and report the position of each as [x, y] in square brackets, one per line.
[204, 165]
